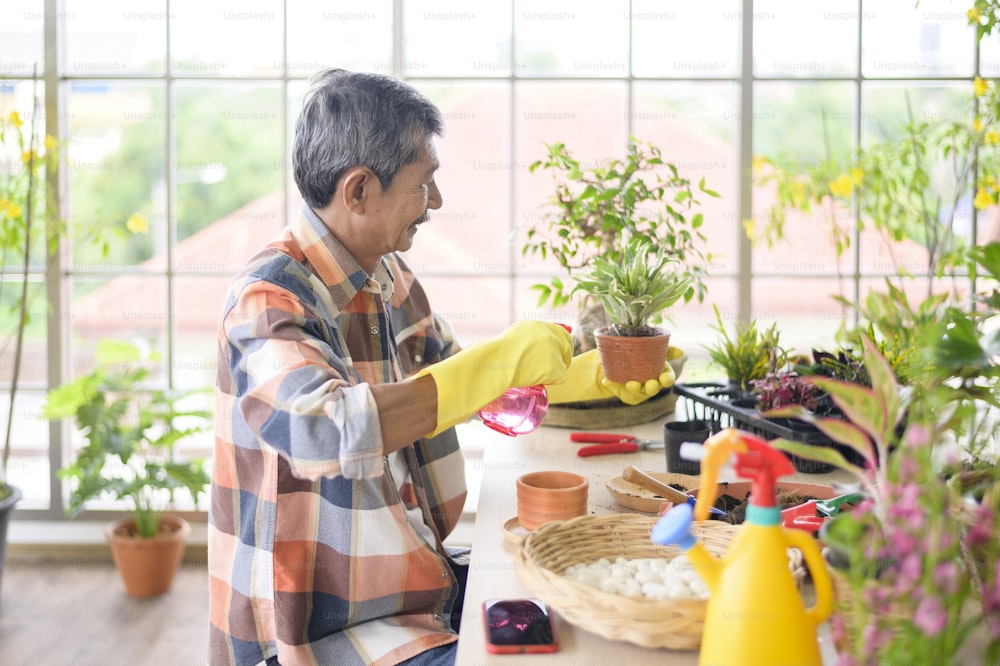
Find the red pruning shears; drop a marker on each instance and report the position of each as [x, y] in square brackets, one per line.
[607, 442]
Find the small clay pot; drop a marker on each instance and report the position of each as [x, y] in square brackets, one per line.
[553, 495]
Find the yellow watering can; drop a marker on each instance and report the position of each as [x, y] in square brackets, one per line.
[755, 614]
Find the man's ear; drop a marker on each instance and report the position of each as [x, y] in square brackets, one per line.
[356, 185]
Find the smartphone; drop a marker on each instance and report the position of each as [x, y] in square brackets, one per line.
[518, 626]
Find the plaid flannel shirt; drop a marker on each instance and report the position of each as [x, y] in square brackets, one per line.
[312, 555]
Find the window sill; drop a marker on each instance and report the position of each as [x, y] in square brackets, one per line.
[68, 541]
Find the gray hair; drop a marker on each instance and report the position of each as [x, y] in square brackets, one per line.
[353, 119]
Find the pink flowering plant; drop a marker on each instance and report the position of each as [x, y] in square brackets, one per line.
[918, 558]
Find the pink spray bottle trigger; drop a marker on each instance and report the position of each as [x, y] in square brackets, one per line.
[518, 410]
[763, 465]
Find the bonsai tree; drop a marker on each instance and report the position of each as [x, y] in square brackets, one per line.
[593, 208]
[131, 436]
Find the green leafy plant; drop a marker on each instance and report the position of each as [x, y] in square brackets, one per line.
[594, 207]
[635, 289]
[747, 354]
[131, 435]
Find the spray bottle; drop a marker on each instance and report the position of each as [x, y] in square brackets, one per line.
[755, 614]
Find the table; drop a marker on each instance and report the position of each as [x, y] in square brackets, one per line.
[492, 572]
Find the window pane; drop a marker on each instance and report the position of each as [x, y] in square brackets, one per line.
[34, 360]
[989, 57]
[455, 38]
[354, 37]
[888, 107]
[802, 308]
[228, 147]
[805, 39]
[228, 38]
[479, 309]
[28, 467]
[807, 121]
[694, 125]
[198, 306]
[565, 38]
[590, 118]
[116, 152]
[471, 231]
[21, 45]
[685, 39]
[932, 39]
[115, 37]
[128, 307]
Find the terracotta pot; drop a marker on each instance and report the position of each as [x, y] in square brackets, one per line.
[543, 497]
[625, 358]
[147, 566]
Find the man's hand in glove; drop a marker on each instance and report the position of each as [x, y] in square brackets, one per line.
[524, 354]
[586, 381]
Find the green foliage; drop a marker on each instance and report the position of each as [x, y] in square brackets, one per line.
[747, 354]
[594, 208]
[635, 288]
[211, 135]
[131, 435]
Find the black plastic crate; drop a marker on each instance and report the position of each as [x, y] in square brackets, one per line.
[734, 408]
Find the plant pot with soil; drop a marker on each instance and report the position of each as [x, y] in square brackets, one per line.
[131, 433]
[634, 291]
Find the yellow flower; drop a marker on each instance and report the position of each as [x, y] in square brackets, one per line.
[992, 137]
[979, 86]
[841, 186]
[50, 143]
[758, 162]
[983, 199]
[857, 174]
[29, 156]
[10, 208]
[15, 119]
[137, 224]
[977, 125]
[974, 15]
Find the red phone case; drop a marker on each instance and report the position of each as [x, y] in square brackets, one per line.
[534, 648]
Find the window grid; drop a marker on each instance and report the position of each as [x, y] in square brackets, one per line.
[58, 276]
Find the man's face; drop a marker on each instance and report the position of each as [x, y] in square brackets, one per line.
[403, 207]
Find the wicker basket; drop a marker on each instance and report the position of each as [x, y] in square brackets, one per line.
[548, 551]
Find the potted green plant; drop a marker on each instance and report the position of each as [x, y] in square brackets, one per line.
[131, 435]
[634, 290]
[748, 353]
[594, 207]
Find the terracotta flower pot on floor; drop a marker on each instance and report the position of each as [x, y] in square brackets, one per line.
[147, 566]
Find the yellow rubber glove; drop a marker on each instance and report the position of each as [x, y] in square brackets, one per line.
[586, 381]
[524, 354]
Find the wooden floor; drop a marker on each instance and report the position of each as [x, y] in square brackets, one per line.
[78, 613]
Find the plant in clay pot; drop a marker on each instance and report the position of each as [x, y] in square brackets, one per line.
[594, 207]
[131, 436]
[634, 291]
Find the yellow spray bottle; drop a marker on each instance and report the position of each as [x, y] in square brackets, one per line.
[755, 614]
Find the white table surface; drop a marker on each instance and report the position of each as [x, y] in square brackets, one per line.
[492, 572]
